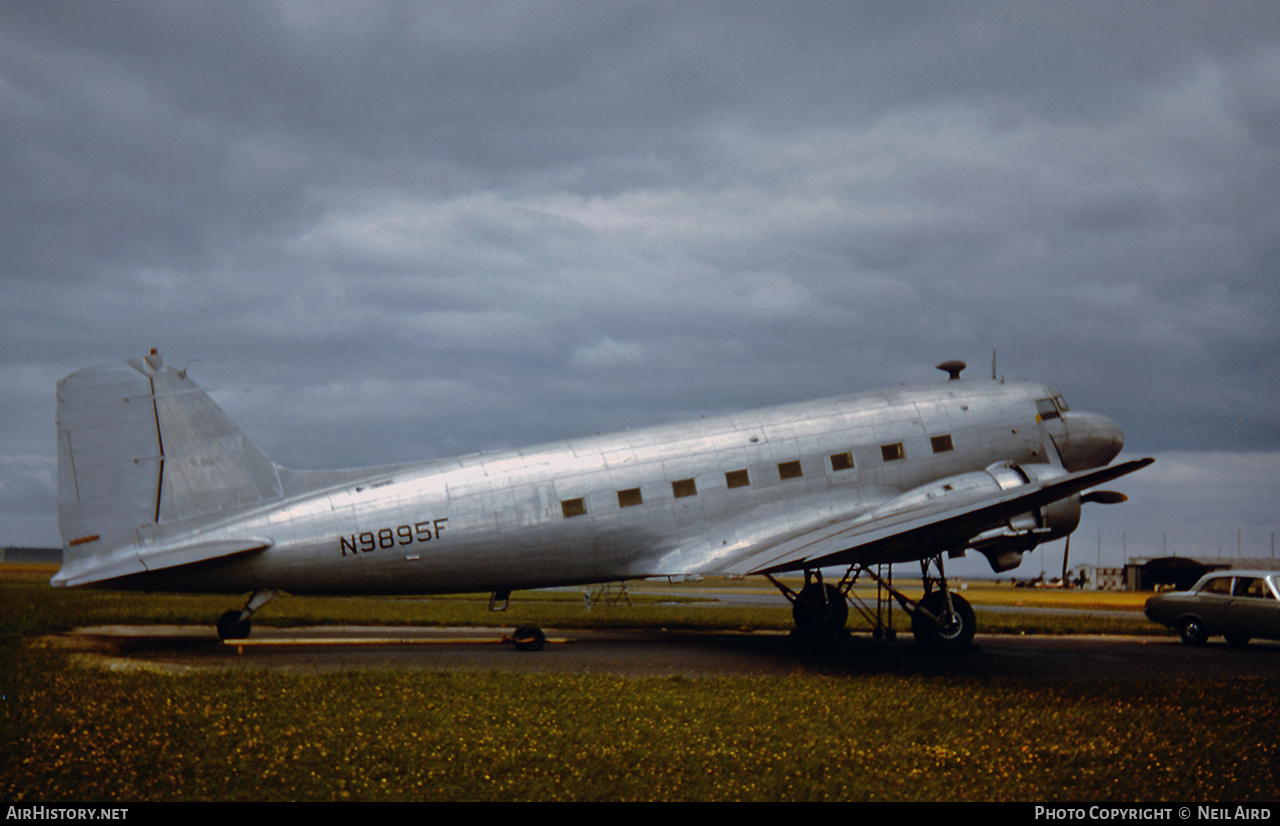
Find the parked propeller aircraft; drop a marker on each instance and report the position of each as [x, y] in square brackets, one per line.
[158, 490]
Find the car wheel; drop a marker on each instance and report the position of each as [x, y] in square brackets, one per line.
[1238, 639]
[1192, 631]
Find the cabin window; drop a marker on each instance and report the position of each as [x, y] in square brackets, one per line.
[842, 461]
[737, 479]
[1046, 410]
[893, 452]
[790, 470]
[630, 498]
[573, 507]
[942, 444]
[684, 487]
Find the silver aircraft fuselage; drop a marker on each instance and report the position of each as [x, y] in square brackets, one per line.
[711, 497]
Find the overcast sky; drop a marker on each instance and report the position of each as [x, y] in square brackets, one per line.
[389, 231]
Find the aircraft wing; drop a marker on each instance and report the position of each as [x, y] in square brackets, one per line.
[890, 534]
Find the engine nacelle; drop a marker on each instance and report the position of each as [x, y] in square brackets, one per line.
[1005, 553]
[1004, 546]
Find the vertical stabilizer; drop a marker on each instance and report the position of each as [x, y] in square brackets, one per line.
[140, 444]
[209, 465]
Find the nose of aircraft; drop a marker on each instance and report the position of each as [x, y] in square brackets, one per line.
[1093, 440]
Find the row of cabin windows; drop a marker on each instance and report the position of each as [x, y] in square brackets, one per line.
[742, 478]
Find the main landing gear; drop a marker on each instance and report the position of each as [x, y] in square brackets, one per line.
[941, 620]
[235, 625]
[820, 610]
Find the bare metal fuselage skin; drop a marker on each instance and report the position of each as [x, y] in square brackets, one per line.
[704, 498]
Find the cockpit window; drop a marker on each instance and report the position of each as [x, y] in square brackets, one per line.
[1046, 409]
[1062, 403]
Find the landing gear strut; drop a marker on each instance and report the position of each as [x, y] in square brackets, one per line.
[236, 625]
[941, 619]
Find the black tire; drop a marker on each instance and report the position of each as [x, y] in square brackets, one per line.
[819, 611]
[1192, 631]
[231, 627]
[1238, 640]
[956, 631]
[529, 638]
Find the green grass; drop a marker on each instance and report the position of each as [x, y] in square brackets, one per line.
[72, 733]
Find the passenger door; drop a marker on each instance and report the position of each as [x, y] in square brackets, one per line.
[1254, 610]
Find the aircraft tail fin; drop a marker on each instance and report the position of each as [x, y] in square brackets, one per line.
[139, 444]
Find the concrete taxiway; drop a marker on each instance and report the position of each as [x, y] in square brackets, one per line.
[658, 653]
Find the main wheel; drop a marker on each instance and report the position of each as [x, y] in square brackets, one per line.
[1192, 631]
[529, 638]
[953, 631]
[231, 627]
[819, 610]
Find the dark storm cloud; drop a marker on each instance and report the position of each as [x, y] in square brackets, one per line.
[396, 231]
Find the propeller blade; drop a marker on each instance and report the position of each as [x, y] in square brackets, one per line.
[1104, 497]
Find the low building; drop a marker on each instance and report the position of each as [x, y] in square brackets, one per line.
[1179, 573]
[1102, 578]
[50, 555]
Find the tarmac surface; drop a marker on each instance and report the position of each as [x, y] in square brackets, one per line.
[660, 653]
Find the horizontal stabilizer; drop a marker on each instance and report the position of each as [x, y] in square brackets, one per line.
[156, 560]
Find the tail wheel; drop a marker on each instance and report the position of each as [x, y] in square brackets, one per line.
[953, 631]
[231, 627]
[819, 610]
[529, 638]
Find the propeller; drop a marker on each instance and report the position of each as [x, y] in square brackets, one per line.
[1102, 497]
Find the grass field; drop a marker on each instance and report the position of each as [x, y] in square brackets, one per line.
[84, 734]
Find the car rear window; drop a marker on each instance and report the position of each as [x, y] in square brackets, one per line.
[1248, 586]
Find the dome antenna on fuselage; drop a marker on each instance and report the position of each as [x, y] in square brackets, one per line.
[952, 368]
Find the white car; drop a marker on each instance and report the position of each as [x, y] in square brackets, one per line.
[1239, 605]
